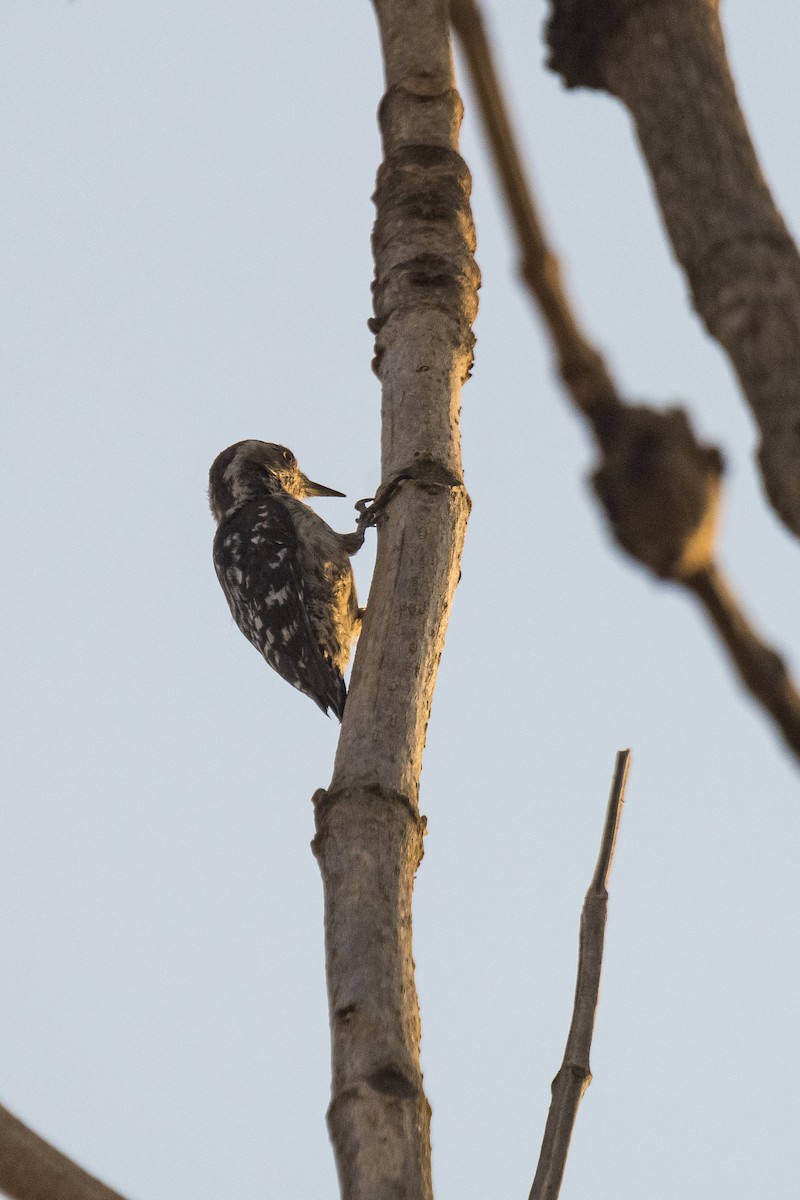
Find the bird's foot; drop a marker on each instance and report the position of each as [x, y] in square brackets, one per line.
[369, 512]
[371, 509]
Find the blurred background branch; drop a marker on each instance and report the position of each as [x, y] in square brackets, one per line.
[668, 65]
[32, 1169]
[659, 485]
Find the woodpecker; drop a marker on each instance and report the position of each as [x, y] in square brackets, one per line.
[285, 573]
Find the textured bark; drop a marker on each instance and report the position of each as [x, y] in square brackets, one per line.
[666, 61]
[32, 1169]
[369, 831]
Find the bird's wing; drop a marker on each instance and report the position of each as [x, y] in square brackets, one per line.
[255, 555]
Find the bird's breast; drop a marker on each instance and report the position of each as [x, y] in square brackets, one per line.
[328, 584]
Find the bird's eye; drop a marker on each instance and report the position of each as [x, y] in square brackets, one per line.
[287, 456]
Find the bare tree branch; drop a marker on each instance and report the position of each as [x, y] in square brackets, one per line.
[575, 1075]
[762, 671]
[659, 485]
[369, 831]
[666, 62]
[580, 365]
[32, 1169]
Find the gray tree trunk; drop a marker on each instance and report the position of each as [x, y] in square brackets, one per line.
[369, 831]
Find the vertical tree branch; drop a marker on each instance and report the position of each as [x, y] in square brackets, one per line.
[666, 62]
[369, 831]
[575, 1074]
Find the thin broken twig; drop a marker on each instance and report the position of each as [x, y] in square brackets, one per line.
[575, 1075]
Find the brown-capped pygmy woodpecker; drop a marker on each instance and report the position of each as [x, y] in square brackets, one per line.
[285, 573]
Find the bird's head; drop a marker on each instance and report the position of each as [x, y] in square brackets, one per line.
[249, 470]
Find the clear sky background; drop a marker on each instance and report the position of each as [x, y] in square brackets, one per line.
[185, 218]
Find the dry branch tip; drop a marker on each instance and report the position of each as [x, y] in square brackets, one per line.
[574, 1075]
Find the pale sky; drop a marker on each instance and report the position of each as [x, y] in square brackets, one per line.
[185, 245]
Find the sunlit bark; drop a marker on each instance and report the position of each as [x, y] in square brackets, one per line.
[369, 831]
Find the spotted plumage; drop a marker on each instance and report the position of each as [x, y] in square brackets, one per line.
[285, 573]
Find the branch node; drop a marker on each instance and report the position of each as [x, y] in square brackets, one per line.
[390, 1081]
[326, 801]
[578, 32]
[661, 488]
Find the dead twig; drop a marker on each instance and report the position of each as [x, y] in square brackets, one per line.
[575, 1075]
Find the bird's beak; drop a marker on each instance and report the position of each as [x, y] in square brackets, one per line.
[317, 489]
